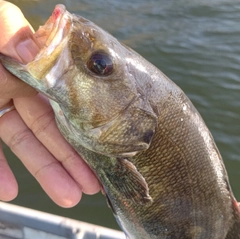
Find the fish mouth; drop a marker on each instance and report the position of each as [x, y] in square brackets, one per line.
[53, 31]
[52, 59]
[52, 37]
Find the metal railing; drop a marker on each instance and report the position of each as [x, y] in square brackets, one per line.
[23, 223]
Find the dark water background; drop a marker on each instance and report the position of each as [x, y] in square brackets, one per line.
[196, 43]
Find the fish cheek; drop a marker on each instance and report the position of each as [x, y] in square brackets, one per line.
[90, 101]
[131, 131]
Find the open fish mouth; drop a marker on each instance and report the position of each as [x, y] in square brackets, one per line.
[56, 29]
[52, 37]
[47, 66]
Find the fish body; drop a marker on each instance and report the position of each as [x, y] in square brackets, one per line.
[160, 169]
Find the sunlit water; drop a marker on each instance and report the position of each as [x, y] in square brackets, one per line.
[196, 43]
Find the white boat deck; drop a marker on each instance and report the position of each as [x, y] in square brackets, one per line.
[22, 223]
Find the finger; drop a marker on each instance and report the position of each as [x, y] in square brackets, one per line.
[38, 115]
[14, 27]
[8, 183]
[57, 183]
[17, 41]
[16, 38]
[4, 102]
[11, 87]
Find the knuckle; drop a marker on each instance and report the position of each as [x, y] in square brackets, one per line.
[41, 123]
[19, 138]
[71, 156]
[45, 168]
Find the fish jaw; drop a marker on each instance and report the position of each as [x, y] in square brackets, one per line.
[43, 72]
[53, 37]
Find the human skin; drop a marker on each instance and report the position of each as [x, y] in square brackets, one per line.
[30, 131]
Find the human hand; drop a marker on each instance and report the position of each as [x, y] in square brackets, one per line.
[30, 130]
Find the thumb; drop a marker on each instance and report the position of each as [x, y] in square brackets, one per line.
[16, 36]
[16, 41]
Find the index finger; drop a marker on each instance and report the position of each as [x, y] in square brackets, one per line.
[11, 86]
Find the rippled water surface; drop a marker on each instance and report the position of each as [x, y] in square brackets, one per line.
[196, 43]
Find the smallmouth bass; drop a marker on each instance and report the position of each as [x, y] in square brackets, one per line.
[161, 171]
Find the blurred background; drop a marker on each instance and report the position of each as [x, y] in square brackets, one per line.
[195, 43]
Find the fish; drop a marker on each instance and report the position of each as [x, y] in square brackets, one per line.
[157, 162]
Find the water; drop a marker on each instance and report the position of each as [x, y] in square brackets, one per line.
[196, 43]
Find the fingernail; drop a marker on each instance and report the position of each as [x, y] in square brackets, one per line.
[27, 50]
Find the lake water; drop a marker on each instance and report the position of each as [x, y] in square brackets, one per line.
[196, 43]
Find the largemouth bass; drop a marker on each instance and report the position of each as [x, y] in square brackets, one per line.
[159, 167]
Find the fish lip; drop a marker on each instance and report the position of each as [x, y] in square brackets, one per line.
[52, 39]
[53, 31]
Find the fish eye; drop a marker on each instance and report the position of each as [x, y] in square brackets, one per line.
[100, 63]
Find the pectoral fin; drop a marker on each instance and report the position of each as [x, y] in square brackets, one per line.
[128, 182]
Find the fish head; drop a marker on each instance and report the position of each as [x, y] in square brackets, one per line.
[87, 74]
